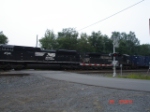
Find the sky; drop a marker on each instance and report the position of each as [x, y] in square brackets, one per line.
[22, 20]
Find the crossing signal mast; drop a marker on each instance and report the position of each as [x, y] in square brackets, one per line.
[115, 44]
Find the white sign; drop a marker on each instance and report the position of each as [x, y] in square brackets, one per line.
[115, 63]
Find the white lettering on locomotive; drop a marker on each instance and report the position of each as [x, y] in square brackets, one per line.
[7, 53]
[50, 56]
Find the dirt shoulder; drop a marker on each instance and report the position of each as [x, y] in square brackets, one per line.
[32, 93]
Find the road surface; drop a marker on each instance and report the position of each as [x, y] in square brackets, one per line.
[117, 83]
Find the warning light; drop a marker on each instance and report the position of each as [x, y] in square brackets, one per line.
[115, 54]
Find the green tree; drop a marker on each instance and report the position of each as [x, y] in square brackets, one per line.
[95, 40]
[83, 44]
[67, 39]
[49, 40]
[144, 49]
[128, 43]
[3, 38]
[107, 42]
[101, 43]
[132, 37]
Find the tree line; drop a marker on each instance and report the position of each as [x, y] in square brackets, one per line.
[70, 39]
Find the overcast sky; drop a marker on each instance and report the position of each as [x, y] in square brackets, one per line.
[22, 20]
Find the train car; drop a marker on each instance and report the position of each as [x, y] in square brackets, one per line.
[137, 61]
[45, 59]
[56, 59]
[68, 58]
[16, 57]
[60, 59]
[19, 57]
[95, 61]
[124, 60]
[147, 61]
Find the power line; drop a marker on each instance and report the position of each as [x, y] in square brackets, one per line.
[112, 15]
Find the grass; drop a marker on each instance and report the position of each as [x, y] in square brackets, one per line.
[135, 76]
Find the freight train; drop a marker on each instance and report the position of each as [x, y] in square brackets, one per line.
[23, 57]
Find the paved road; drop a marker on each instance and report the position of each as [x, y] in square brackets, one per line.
[117, 83]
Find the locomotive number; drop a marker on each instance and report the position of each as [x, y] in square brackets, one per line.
[7, 53]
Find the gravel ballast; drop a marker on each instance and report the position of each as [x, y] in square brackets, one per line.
[32, 93]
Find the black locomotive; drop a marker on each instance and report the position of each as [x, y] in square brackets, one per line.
[23, 57]
[20, 57]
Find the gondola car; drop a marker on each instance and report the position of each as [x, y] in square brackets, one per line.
[147, 61]
[138, 61]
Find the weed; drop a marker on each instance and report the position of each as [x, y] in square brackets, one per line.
[136, 76]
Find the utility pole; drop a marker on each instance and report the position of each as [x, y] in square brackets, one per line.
[114, 64]
[36, 40]
[149, 25]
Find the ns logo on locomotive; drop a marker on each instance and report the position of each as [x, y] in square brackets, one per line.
[23, 57]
